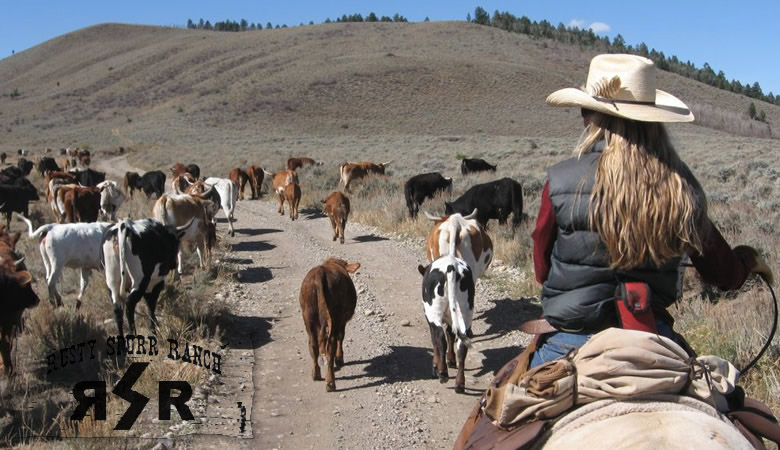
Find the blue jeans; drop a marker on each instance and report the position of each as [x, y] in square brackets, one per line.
[559, 344]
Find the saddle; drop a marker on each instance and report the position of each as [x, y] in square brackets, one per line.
[487, 425]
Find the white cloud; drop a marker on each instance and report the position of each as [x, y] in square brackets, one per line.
[599, 27]
[578, 23]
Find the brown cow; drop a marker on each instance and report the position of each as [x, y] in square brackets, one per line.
[132, 183]
[16, 295]
[292, 193]
[328, 300]
[238, 176]
[355, 171]
[337, 206]
[471, 241]
[256, 175]
[297, 163]
[82, 204]
[280, 180]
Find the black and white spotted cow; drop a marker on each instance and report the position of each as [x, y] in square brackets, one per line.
[448, 300]
[140, 253]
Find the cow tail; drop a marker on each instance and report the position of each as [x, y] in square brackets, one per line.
[409, 198]
[326, 320]
[454, 237]
[517, 203]
[458, 323]
[41, 231]
[121, 238]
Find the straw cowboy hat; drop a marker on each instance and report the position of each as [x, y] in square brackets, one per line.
[624, 86]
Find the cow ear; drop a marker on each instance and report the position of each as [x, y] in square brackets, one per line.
[421, 269]
[23, 277]
[352, 268]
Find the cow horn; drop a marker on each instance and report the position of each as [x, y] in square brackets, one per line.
[472, 215]
[207, 191]
[267, 172]
[431, 217]
[185, 226]
[387, 163]
[18, 262]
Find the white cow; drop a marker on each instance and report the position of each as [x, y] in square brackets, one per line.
[228, 196]
[111, 198]
[472, 243]
[74, 245]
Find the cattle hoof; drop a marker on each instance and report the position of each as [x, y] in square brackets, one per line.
[434, 373]
[338, 363]
[78, 304]
[459, 389]
[334, 238]
[443, 377]
[452, 364]
[342, 240]
[330, 387]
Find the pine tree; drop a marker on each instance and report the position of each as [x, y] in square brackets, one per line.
[481, 16]
[190, 24]
[372, 17]
[752, 110]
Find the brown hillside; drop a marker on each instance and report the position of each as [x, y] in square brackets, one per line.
[190, 87]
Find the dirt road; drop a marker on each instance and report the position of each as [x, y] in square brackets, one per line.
[385, 395]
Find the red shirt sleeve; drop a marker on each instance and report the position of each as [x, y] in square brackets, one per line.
[544, 236]
[721, 266]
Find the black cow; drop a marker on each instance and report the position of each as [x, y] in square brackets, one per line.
[47, 164]
[148, 250]
[468, 166]
[494, 200]
[194, 170]
[25, 165]
[89, 177]
[10, 174]
[63, 152]
[153, 183]
[3, 157]
[423, 186]
[16, 197]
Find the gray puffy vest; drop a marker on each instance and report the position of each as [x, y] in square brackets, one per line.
[579, 292]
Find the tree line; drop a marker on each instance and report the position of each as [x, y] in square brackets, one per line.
[244, 25]
[587, 38]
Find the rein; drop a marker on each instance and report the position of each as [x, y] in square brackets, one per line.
[768, 342]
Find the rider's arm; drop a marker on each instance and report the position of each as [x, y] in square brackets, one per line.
[719, 264]
[544, 236]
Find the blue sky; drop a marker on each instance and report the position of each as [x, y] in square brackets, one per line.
[739, 38]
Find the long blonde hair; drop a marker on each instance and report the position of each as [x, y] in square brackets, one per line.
[646, 204]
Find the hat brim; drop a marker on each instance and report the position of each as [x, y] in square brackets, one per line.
[667, 108]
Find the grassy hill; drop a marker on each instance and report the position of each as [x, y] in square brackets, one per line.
[113, 84]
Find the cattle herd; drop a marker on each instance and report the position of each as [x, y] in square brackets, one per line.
[137, 256]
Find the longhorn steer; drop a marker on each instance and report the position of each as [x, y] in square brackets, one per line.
[16, 295]
[472, 243]
[495, 200]
[354, 171]
[328, 300]
[292, 193]
[16, 197]
[279, 181]
[238, 176]
[423, 186]
[180, 209]
[132, 182]
[448, 301]
[72, 245]
[111, 198]
[228, 196]
[337, 207]
[153, 183]
[256, 175]
[297, 163]
[137, 256]
[81, 204]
